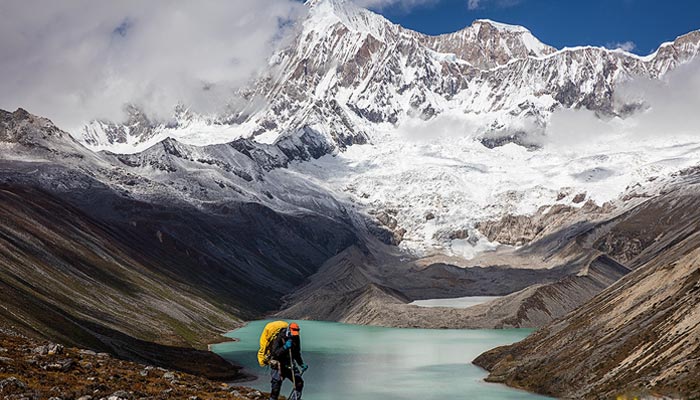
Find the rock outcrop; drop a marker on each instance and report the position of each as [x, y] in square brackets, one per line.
[517, 230]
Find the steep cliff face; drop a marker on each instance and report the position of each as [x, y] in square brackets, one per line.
[638, 337]
[517, 230]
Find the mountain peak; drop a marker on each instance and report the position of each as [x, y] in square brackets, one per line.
[501, 26]
[331, 3]
[37, 135]
[17, 115]
[18, 125]
[338, 8]
[324, 14]
[487, 44]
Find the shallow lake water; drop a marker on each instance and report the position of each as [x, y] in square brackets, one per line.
[459, 302]
[372, 363]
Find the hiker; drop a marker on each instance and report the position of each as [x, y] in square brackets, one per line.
[285, 349]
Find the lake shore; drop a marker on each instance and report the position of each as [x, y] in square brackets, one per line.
[418, 363]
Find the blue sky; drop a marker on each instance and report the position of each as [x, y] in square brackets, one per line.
[644, 23]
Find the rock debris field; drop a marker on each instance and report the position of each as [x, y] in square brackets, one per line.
[31, 369]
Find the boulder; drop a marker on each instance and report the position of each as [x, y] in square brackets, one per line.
[62, 365]
[12, 383]
[459, 234]
[169, 376]
[120, 395]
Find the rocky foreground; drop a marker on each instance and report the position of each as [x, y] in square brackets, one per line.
[32, 369]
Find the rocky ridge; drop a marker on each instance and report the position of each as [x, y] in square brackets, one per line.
[371, 287]
[349, 70]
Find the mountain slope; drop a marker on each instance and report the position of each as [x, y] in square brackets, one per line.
[343, 292]
[539, 282]
[641, 335]
[68, 277]
[168, 247]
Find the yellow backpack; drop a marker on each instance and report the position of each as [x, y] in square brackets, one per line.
[269, 332]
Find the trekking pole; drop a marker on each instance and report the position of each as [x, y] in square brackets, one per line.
[293, 381]
[291, 365]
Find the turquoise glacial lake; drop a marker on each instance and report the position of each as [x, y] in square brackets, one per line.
[371, 363]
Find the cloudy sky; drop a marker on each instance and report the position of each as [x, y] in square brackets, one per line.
[79, 59]
[75, 60]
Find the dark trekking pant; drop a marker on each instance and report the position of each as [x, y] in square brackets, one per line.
[276, 382]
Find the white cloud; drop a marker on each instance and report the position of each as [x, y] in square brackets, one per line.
[626, 46]
[667, 113]
[381, 4]
[571, 128]
[670, 104]
[80, 59]
[477, 4]
[444, 126]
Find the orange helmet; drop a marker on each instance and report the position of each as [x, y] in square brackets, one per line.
[294, 328]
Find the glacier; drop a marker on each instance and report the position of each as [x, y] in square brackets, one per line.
[432, 134]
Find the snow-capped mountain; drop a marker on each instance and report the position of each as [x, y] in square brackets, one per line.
[349, 69]
[359, 136]
[420, 125]
[487, 44]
